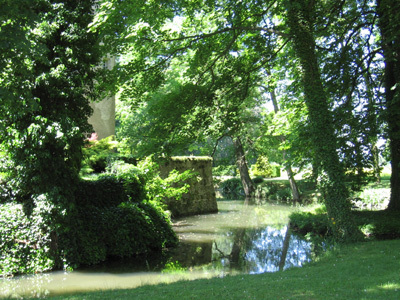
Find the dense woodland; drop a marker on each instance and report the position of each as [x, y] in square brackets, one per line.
[313, 86]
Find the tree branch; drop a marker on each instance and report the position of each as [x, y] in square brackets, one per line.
[228, 29]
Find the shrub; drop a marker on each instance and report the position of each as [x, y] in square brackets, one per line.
[25, 242]
[110, 217]
[307, 222]
[267, 190]
[262, 167]
[374, 224]
[379, 224]
[96, 154]
[136, 228]
[120, 231]
[276, 170]
[106, 191]
[283, 194]
[232, 188]
[258, 180]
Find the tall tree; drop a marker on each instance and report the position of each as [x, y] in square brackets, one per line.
[48, 61]
[282, 138]
[214, 34]
[300, 17]
[389, 23]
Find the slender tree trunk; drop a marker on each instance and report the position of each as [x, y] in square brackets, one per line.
[389, 23]
[300, 20]
[377, 168]
[247, 183]
[288, 167]
[292, 181]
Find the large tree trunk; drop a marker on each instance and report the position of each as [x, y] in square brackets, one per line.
[389, 23]
[300, 21]
[247, 183]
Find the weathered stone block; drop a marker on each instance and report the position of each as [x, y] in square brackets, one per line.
[200, 198]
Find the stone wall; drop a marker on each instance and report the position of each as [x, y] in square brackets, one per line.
[200, 198]
[103, 117]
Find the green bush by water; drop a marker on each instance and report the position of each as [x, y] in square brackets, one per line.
[232, 188]
[374, 224]
[110, 216]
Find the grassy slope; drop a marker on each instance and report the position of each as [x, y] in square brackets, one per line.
[359, 271]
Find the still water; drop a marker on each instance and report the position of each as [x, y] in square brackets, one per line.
[242, 238]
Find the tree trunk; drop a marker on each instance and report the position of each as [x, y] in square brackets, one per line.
[293, 184]
[389, 23]
[377, 168]
[300, 21]
[247, 183]
[288, 167]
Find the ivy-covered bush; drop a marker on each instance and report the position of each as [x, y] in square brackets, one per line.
[109, 216]
[26, 241]
[106, 191]
[139, 229]
[110, 190]
[118, 231]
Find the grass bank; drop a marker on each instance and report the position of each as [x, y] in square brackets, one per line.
[369, 270]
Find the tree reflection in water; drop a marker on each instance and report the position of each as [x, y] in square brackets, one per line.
[255, 251]
[268, 247]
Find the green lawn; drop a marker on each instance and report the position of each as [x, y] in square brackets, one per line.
[369, 270]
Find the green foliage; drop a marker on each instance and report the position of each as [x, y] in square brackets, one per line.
[258, 179]
[97, 154]
[225, 170]
[275, 191]
[119, 231]
[106, 191]
[379, 224]
[372, 198]
[373, 224]
[265, 190]
[48, 61]
[26, 242]
[232, 188]
[307, 222]
[116, 214]
[157, 188]
[262, 167]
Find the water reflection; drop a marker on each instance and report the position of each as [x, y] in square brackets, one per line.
[250, 251]
[268, 249]
[240, 239]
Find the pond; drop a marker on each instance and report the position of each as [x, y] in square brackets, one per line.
[242, 238]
